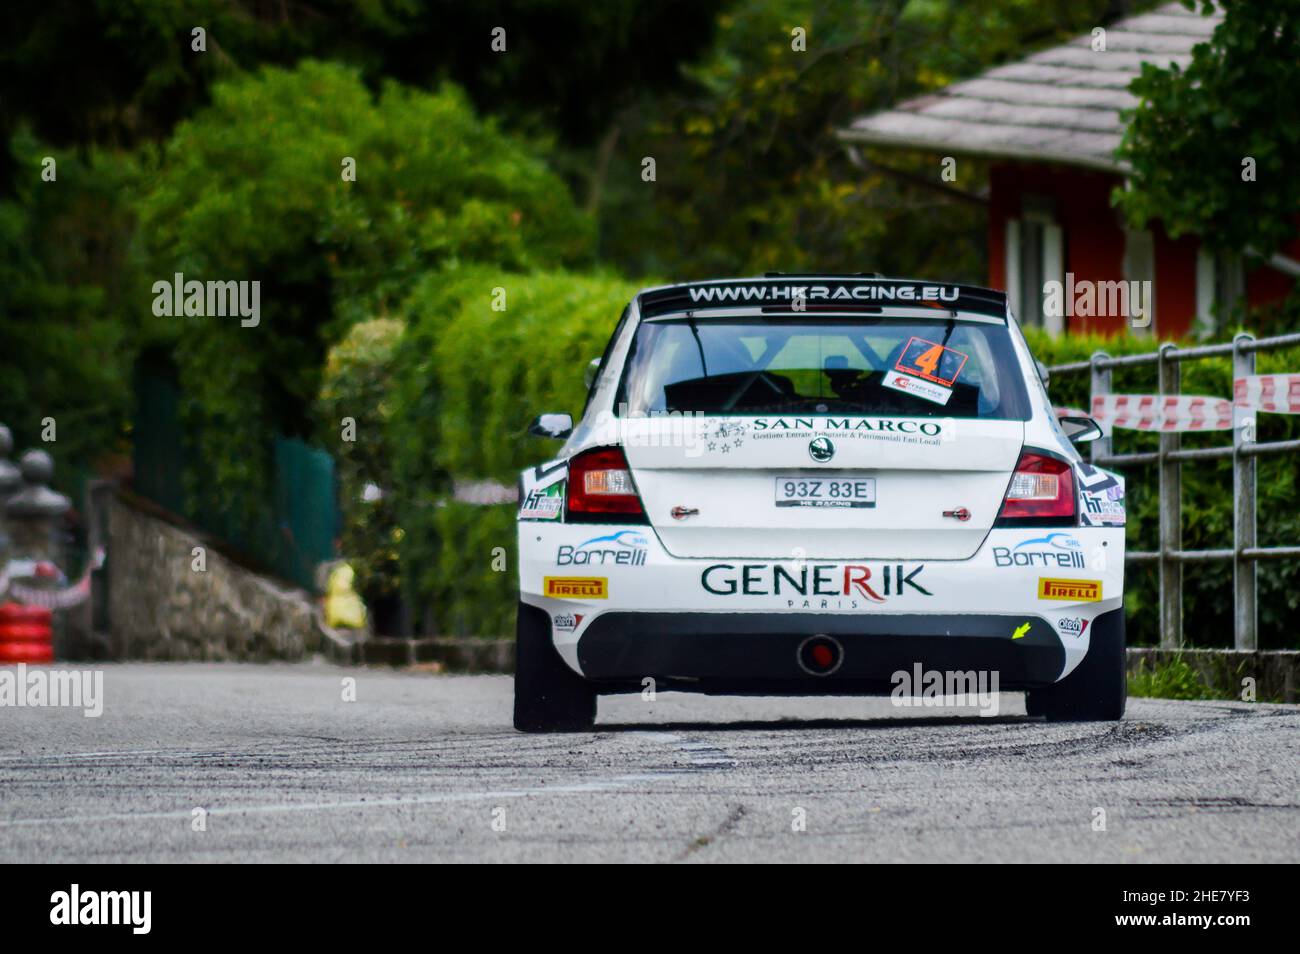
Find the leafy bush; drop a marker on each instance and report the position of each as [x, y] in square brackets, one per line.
[1207, 495]
[498, 369]
[468, 379]
[470, 584]
[252, 188]
[357, 385]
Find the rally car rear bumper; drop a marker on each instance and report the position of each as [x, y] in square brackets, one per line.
[761, 653]
[633, 611]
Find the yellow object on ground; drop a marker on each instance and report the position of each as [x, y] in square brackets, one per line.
[344, 608]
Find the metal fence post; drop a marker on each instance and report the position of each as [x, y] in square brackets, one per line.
[1100, 385]
[1245, 616]
[1171, 522]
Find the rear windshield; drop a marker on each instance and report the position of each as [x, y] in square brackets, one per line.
[824, 366]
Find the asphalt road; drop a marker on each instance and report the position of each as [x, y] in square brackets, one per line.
[425, 767]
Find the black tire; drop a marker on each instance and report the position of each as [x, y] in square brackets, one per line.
[549, 696]
[1097, 690]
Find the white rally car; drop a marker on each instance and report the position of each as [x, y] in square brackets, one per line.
[811, 484]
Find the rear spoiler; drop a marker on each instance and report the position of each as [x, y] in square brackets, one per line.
[821, 295]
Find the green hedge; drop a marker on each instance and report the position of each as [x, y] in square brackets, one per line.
[252, 187]
[467, 381]
[501, 368]
[469, 587]
[356, 383]
[1207, 496]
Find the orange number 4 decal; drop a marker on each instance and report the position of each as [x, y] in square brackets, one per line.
[934, 362]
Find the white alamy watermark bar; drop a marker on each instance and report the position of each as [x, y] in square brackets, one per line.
[211, 299]
[1132, 300]
[44, 688]
[74, 907]
[923, 688]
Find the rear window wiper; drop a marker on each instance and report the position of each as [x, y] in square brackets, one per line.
[695, 331]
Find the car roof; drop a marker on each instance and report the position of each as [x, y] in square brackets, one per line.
[820, 293]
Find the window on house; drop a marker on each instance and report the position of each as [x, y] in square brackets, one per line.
[1140, 267]
[1220, 285]
[1035, 255]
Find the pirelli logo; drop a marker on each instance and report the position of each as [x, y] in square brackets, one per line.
[577, 587]
[1072, 591]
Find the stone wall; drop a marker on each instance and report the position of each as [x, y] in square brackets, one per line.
[161, 608]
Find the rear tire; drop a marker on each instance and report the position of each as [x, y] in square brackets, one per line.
[549, 696]
[1097, 689]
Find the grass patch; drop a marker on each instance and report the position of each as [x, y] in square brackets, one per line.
[1174, 679]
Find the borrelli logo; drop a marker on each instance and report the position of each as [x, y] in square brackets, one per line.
[935, 688]
[21, 687]
[74, 907]
[1051, 550]
[623, 548]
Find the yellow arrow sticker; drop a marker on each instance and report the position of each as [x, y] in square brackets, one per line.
[1021, 630]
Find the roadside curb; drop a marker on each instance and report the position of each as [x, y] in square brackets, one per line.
[340, 647]
[1276, 672]
[454, 654]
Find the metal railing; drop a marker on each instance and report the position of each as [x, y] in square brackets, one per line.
[1244, 450]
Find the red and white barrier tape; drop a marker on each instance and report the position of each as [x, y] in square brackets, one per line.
[52, 599]
[1275, 393]
[1163, 412]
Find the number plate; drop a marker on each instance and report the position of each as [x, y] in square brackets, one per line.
[825, 492]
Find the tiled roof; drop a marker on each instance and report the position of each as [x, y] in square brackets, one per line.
[1060, 105]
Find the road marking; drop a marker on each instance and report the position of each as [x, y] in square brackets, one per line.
[595, 785]
[88, 755]
[701, 754]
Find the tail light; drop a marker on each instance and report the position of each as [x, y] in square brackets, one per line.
[1041, 491]
[601, 489]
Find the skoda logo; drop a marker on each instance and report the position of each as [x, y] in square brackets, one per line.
[821, 449]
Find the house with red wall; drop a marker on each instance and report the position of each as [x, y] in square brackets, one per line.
[1048, 127]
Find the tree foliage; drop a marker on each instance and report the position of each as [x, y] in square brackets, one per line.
[121, 72]
[1214, 148]
[252, 189]
[66, 285]
[750, 175]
